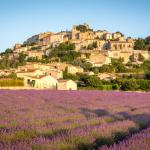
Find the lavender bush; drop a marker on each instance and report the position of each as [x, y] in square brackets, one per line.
[140, 141]
[67, 120]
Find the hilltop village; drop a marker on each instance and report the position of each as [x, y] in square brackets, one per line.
[57, 60]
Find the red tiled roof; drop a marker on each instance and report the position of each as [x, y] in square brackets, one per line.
[61, 81]
[37, 77]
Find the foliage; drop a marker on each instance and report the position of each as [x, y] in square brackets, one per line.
[70, 76]
[106, 68]
[118, 65]
[83, 64]
[33, 59]
[11, 82]
[83, 28]
[139, 44]
[147, 75]
[146, 65]
[93, 81]
[92, 46]
[65, 52]
[132, 58]
[12, 76]
[141, 57]
[35, 48]
[142, 44]
[133, 84]
[14, 62]
[129, 85]
[8, 50]
[67, 46]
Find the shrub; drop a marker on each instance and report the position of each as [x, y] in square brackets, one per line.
[11, 82]
[130, 84]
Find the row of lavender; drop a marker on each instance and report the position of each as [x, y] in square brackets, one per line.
[69, 119]
[140, 141]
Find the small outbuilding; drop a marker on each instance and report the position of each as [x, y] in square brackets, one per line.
[66, 85]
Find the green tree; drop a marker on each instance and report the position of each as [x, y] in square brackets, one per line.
[129, 85]
[147, 75]
[93, 81]
[70, 76]
[118, 65]
[141, 57]
[8, 50]
[139, 44]
[83, 28]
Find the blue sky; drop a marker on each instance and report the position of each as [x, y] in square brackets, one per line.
[20, 19]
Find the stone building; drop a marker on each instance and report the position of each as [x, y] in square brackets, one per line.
[82, 35]
[120, 45]
[117, 35]
[17, 46]
[55, 73]
[40, 82]
[20, 49]
[99, 58]
[100, 34]
[107, 36]
[74, 69]
[36, 39]
[55, 39]
[35, 54]
[66, 85]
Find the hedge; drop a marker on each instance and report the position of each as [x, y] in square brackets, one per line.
[11, 82]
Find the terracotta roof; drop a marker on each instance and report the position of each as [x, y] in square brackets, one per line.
[26, 71]
[62, 81]
[37, 77]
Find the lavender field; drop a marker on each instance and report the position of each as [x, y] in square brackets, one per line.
[74, 120]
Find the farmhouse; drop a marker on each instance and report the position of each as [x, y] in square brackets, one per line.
[41, 82]
[66, 85]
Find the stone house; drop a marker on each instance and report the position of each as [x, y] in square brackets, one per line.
[106, 76]
[107, 36]
[20, 49]
[35, 54]
[59, 66]
[145, 54]
[99, 58]
[78, 35]
[125, 54]
[74, 69]
[117, 35]
[100, 34]
[36, 39]
[120, 45]
[40, 82]
[55, 73]
[17, 46]
[58, 37]
[6, 72]
[66, 85]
